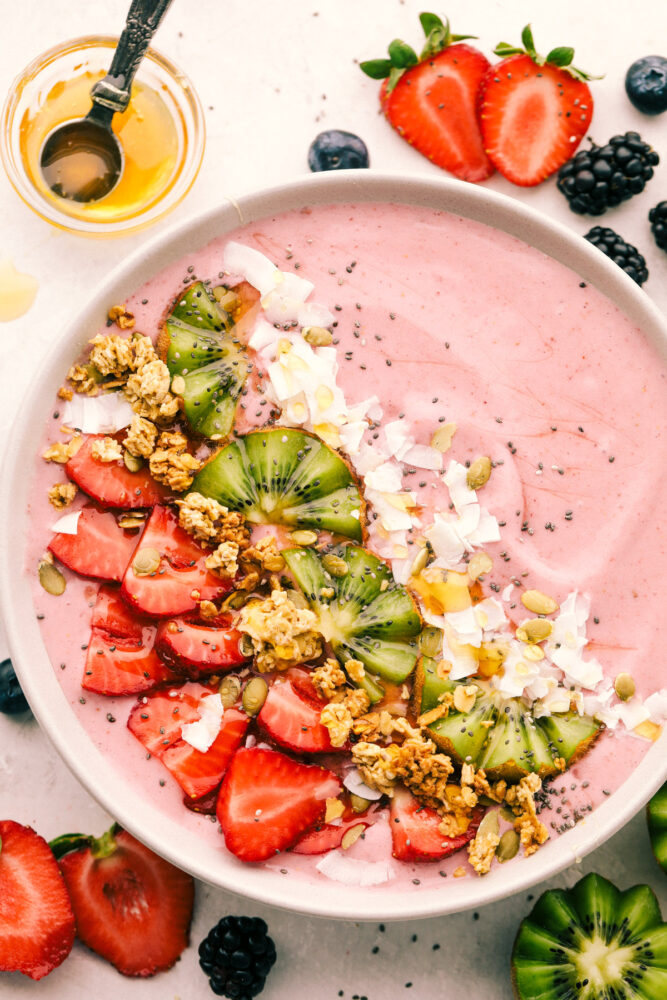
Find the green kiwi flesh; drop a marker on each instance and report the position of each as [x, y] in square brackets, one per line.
[516, 743]
[368, 617]
[284, 476]
[657, 825]
[201, 348]
[592, 942]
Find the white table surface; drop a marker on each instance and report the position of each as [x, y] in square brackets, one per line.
[270, 76]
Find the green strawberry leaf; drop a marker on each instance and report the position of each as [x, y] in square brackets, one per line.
[394, 77]
[561, 56]
[401, 54]
[377, 69]
[528, 43]
[431, 22]
[504, 49]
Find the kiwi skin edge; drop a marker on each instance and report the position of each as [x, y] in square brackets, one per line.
[656, 818]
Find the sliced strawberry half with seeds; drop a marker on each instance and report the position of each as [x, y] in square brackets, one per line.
[120, 658]
[156, 720]
[292, 719]
[168, 575]
[36, 918]
[132, 907]
[196, 650]
[100, 547]
[327, 836]
[111, 483]
[267, 800]
[414, 830]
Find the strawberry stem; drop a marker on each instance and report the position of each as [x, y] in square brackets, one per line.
[561, 56]
[100, 847]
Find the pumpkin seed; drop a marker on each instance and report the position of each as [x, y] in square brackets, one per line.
[146, 561]
[132, 462]
[335, 565]
[535, 630]
[624, 686]
[254, 695]
[359, 804]
[508, 846]
[420, 562]
[317, 336]
[304, 537]
[246, 646]
[352, 835]
[490, 825]
[230, 689]
[479, 563]
[464, 698]
[479, 473]
[507, 814]
[539, 603]
[442, 438]
[133, 520]
[51, 579]
[234, 601]
[430, 641]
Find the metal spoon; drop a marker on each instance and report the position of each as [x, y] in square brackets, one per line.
[82, 159]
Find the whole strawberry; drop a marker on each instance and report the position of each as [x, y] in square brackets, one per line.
[533, 110]
[430, 99]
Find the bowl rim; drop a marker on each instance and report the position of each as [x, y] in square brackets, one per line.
[159, 831]
[191, 158]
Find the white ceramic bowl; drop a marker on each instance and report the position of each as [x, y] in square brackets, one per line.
[37, 676]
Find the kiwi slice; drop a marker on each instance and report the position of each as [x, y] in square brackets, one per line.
[657, 825]
[592, 942]
[363, 614]
[285, 476]
[501, 734]
[197, 343]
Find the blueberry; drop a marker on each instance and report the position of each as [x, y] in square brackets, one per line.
[646, 84]
[12, 699]
[336, 150]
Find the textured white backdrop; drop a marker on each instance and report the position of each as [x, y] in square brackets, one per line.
[270, 76]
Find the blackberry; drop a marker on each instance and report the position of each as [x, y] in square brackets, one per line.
[337, 150]
[601, 177]
[624, 254]
[12, 699]
[237, 956]
[658, 219]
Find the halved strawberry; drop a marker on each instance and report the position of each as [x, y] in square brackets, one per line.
[267, 800]
[111, 483]
[196, 650]
[414, 830]
[132, 907]
[181, 579]
[431, 99]
[100, 547]
[36, 918]
[292, 720]
[199, 773]
[156, 720]
[533, 111]
[120, 658]
[327, 837]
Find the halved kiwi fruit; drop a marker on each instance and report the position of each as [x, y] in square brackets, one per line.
[592, 942]
[197, 342]
[657, 826]
[285, 476]
[501, 734]
[363, 613]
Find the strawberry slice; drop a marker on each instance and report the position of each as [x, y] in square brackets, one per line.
[156, 720]
[180, 580]
[197, 650]
[36, 918]
[533, 111]
[131, 907]
[199, 773]
[431, 99]
[327, 837]
[111, 483]
[267, 800]
[100, 547]
[292, 720]
[120, 658]
[414, 830]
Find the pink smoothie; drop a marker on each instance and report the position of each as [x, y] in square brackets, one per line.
[447, 320]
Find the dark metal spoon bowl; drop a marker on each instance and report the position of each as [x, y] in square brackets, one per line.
[82, 160]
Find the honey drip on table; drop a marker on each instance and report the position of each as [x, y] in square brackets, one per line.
[17, 291]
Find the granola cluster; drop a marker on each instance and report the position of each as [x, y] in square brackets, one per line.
[61, 494]
[62, 451]
[141, 437]
[223, 561]
[339, 716]
[106, 450]
[521, 800]
[282, 634]
[211, 523]
[171, 463]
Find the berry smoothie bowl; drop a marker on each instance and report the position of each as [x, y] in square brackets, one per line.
[333, 552]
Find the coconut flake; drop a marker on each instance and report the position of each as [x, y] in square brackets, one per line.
[339, 867]
[355, 784]
[104, 414]
[422, 456]
[68, 524]
[202, 734]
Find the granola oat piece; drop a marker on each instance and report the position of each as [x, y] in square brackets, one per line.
[337, 718]
[150, 384]
[62, 451]
[106, 449]
[121, 316]
[282, 634]
[141, 437]
[209, 522]
[171, 463]
[61, 494]
[82, 380]
[111, 354]
[223, 560]
[65, 393]
[143, 351]
[266, 554]
[328, 679]
[521, 799]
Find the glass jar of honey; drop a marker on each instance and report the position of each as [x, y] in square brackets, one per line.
[161, 134]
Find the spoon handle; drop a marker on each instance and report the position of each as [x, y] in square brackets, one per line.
[143, 18]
